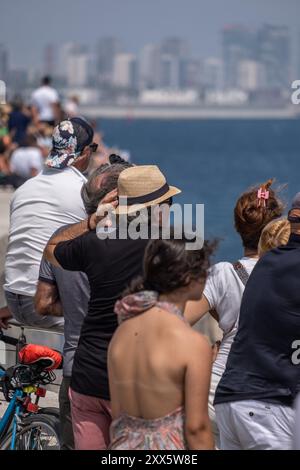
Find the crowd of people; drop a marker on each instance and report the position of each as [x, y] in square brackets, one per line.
[136, 374]
[26, 130]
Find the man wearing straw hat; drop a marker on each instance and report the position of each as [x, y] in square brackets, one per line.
[110, 265]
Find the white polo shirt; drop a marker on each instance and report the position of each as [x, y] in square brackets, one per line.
[38, 208]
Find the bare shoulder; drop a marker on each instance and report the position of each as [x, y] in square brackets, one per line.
[199, 341]
[191, 339]
[198, 352]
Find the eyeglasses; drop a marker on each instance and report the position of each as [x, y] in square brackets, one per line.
[93, 147]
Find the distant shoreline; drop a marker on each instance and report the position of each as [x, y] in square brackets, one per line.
[181, 112]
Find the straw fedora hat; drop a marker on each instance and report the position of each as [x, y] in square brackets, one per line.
[142, 186]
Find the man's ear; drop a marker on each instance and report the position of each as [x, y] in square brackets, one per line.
[86, 153]
[82, 161]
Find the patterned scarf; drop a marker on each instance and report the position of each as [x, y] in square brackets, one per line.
[135, 304]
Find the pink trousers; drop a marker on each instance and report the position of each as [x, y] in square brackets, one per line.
[91, 419]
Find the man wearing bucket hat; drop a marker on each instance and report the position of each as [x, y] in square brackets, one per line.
[255, 398]
[142, 186]
[110, 265]
[38, 208]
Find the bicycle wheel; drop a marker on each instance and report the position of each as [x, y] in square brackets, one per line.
[39, 432]
[49, 410]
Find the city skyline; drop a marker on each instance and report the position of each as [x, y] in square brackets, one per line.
[135, 23]
[255, 67]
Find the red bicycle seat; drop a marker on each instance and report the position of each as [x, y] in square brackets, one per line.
[33, 353]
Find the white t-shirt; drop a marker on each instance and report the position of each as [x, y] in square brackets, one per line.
[223, 291]
[38, 208]
[24, 159]
[43, 98]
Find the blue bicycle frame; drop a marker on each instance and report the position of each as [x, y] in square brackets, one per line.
[11, 414]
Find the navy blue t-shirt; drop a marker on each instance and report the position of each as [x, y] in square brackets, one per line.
[260, 365]
[18, 122]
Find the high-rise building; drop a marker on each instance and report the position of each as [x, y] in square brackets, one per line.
[149, 67]
[212, 76]
[125, 73]
[169, 72]
[65, 51]
[173, 54]
[106, 51]
[251, 75]
[4, 68]
[49, 66]
[175, 47]
[190, 73]
[273, 45]
[77, 66]
[238, 44]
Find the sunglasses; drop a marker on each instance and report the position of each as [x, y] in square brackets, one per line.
[93, 147]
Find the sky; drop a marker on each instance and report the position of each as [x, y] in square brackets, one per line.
[26, 26]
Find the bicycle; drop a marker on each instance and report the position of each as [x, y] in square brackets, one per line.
[24, 425]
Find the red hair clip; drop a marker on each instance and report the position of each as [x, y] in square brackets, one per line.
[262, 196]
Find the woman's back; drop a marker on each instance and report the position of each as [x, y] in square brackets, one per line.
[147, 365]
[159, 368]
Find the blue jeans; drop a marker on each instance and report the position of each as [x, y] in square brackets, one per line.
[22, 309]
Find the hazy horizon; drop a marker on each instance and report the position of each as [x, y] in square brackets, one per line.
[26, 27]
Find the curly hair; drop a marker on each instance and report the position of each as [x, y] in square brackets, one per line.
[251, 216]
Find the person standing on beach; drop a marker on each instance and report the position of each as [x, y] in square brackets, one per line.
[38, 208]
[159, 387]
[256, 395]
[226, 282]
[67, 293]
[110, 265]
[44, 101]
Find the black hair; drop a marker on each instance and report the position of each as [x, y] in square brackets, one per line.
[46, 80]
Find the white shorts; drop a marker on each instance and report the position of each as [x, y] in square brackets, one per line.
[255, 425]
[215, 379]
